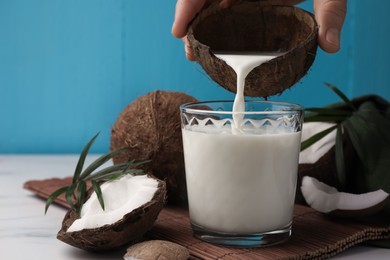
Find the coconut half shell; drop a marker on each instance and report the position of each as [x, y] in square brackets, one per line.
[255, 27]
[128, 230]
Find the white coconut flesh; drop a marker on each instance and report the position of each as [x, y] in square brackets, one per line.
[326, 199]
[120, 197]
[314, 152]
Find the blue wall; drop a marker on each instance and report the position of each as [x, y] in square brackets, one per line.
[68, 67]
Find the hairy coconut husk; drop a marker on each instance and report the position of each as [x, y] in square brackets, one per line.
[255, 27]
[151, 126]
[129, 229]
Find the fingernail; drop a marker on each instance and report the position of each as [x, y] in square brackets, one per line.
[333, 36]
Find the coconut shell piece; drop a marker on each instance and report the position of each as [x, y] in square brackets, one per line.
[157, 250]
[255, 27]
[151, 126]
[327, 199]
[129, 229]
[325, 169]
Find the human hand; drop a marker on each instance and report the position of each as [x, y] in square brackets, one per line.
[329, 14]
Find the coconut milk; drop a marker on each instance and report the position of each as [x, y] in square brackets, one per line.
[243, 64]
[240, 183]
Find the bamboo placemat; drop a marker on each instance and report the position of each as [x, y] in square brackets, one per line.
[315, 236]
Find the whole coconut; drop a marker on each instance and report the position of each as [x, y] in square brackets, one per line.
[151, 126]
[252, 27]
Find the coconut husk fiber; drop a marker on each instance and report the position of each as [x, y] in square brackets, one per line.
[151, 127]
[253, 27]
[314, 235]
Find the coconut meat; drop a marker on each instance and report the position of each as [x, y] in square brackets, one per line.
[314, 152]
[324, 198]
[120, 197]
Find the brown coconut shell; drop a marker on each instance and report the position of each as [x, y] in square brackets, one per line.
[255, 27]
[151, 126]
[128, 230]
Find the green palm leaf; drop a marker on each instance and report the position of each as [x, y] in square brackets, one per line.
[53, 196]
[80, 163]
[339, 153]
[98, 192]
[81, 195]
[307, 143]
[100, 161]
[341, 95]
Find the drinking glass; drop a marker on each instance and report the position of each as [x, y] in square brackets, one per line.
[241, 170]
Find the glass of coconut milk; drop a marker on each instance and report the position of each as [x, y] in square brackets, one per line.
[241, 170]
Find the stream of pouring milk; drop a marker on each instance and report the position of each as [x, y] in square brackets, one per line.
[240, 182]
[243, 64]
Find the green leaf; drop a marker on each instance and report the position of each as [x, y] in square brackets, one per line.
[98, 192]
[81, 161]
[307, 143]
[53, 196]
[69, 194]
[341, 95]
[134, 163]
[369, 133]
[81, 195]
[100, 161]
[339, 153]
[115, 175]
[114, 168]
[111, 177]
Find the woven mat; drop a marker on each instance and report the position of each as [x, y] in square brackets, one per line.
[314, 235]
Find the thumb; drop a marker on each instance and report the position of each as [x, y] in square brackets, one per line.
[330, 15]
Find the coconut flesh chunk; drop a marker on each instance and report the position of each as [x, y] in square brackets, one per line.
[314, 152]
[120, 197]
[326, 199]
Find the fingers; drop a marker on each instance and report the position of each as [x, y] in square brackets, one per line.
[187, 49]
[330, 15]
[185, 12]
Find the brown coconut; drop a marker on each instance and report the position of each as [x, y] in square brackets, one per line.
[255, 27]
[130, 229]
[151, 126]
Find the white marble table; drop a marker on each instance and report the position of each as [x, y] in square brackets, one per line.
[26, 233]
